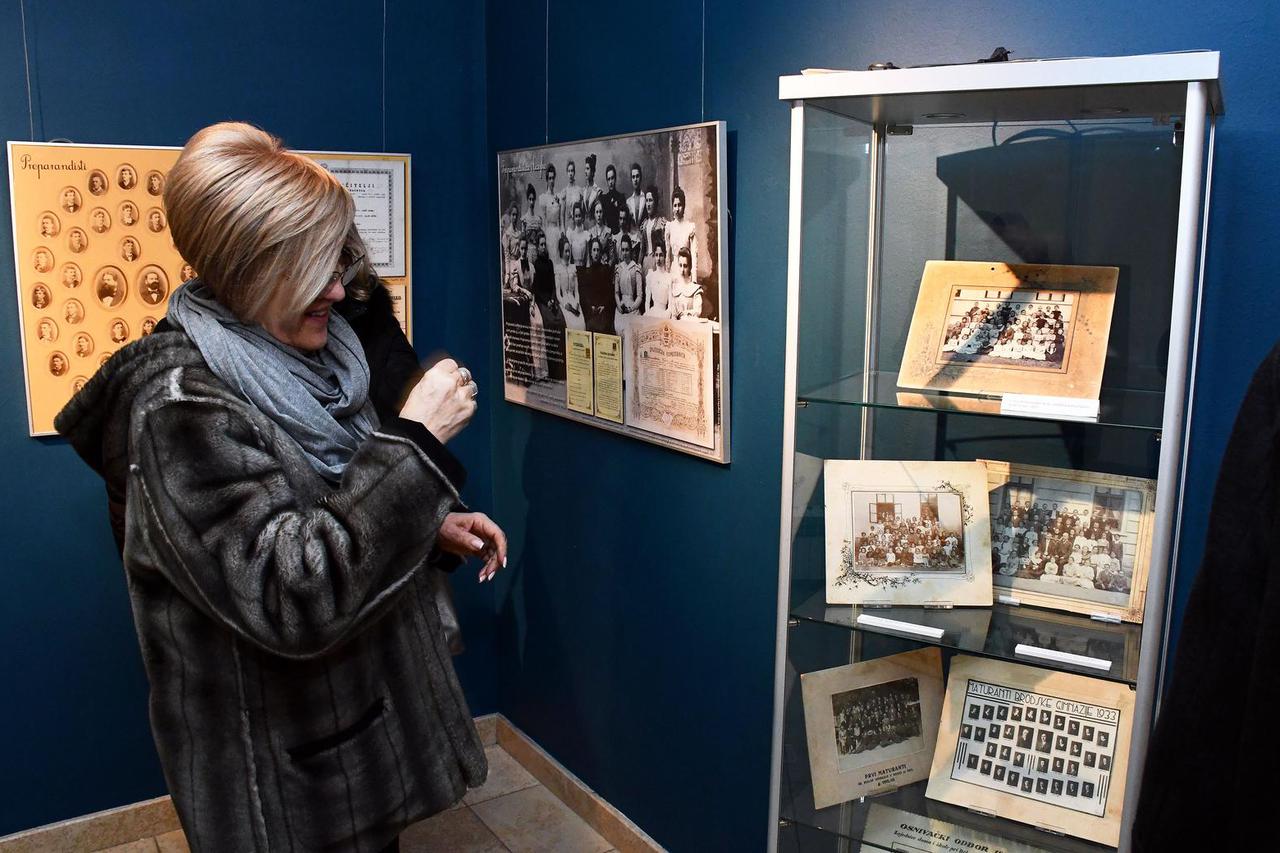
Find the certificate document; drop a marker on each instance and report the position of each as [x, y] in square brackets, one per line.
[579, 384]
[670, 378]
[608, 384]
[893, 829]
[378, 187]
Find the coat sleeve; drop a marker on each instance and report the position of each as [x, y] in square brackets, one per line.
[211, 508]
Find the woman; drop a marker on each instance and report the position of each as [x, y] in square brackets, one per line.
[680, 231]
[628, 287]
[276, 531]
[537, 334]
[627, 226]
[686, 294]
[544, 297]
[511, 233]
[550, 206]
[531, 220]
[653, 229]
[566, 273]
[595, 290]
[657, 282]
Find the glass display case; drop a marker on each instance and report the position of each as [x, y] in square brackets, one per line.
[1101, 162]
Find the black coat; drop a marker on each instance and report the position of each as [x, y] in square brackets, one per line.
[302, 694]
[1208, 782]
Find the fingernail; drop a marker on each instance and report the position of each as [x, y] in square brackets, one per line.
[477, 543]
[504, 562]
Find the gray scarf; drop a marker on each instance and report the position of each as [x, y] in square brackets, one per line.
[320, 399]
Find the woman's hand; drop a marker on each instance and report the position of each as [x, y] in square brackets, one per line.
[474, 534]
[443, 401]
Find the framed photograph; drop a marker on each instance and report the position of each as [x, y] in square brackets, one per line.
[871, 726]
[907, 533]
[93, 250]
[1071, 540]
[991, 328]
[1061, 747]
[620, 236]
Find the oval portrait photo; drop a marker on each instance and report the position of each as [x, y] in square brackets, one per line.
[153, 285]
[97, 182]
[110, 286]
[50, 225]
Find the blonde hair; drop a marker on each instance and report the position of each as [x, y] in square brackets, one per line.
[365, 280]
[262, 224]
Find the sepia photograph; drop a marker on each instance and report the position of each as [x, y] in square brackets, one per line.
[155, 183]
[871, 726]
[153, 285]
[1078, 541]
[989, 328]
[1039, 774]
[98, 182]
[612, 236]
[877, 722]
[50, 225]
[110, 286]
[40, 296]
[907, 533]
[99, 220]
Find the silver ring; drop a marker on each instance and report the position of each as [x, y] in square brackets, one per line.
[465, 374]
[475, 390]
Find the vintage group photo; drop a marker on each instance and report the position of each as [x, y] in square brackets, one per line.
[877, 722]
[990, 329]
[613, 236]
[871, 726]
[907, 533]
[1073, 540]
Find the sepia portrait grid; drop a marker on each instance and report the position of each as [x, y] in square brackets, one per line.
[1077, 541]
[871, 726]
[1045, 748]
[536, 358]
[94, 259]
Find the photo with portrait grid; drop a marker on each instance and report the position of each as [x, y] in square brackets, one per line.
[1003, 328]
[1051, 756]
[911, 531]
[1065, 534]
[593, 235]
[878, 717]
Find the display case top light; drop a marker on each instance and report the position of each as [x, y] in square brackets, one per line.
[1022, 90]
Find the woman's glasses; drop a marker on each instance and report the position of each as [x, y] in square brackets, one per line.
[347, 275]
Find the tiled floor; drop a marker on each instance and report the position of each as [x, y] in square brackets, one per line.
[510, 813]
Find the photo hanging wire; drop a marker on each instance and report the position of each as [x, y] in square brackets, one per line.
[384, 76]
[26, 61]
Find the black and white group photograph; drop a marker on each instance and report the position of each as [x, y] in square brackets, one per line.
[908, 531]
[1008, 328]
[598, 236]
[877, 722]
[1073, 535]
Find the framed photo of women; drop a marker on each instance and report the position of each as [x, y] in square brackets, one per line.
[990, 328]
[621, 237]
[1077, 541]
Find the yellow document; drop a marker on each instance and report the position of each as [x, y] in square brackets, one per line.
[608, 382]
[579, 389]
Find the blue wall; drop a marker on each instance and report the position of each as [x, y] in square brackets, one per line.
[75, 735]
[634, 633]
[637, 627]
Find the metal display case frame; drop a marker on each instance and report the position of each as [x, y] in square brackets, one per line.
[1181, 91]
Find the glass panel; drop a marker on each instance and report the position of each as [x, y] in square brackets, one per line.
[816, 646]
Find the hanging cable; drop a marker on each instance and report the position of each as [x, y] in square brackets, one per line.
[26, 61]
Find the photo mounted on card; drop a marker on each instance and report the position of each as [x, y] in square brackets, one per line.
[871, 726]
[907, 533]
[991, 328]
[1050, 749]
[1071, 540]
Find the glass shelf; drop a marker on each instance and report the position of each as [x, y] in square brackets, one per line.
[1120, 407]
[848, 821]
[994, 631]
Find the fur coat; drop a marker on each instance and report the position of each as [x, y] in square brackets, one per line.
[302, 693]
